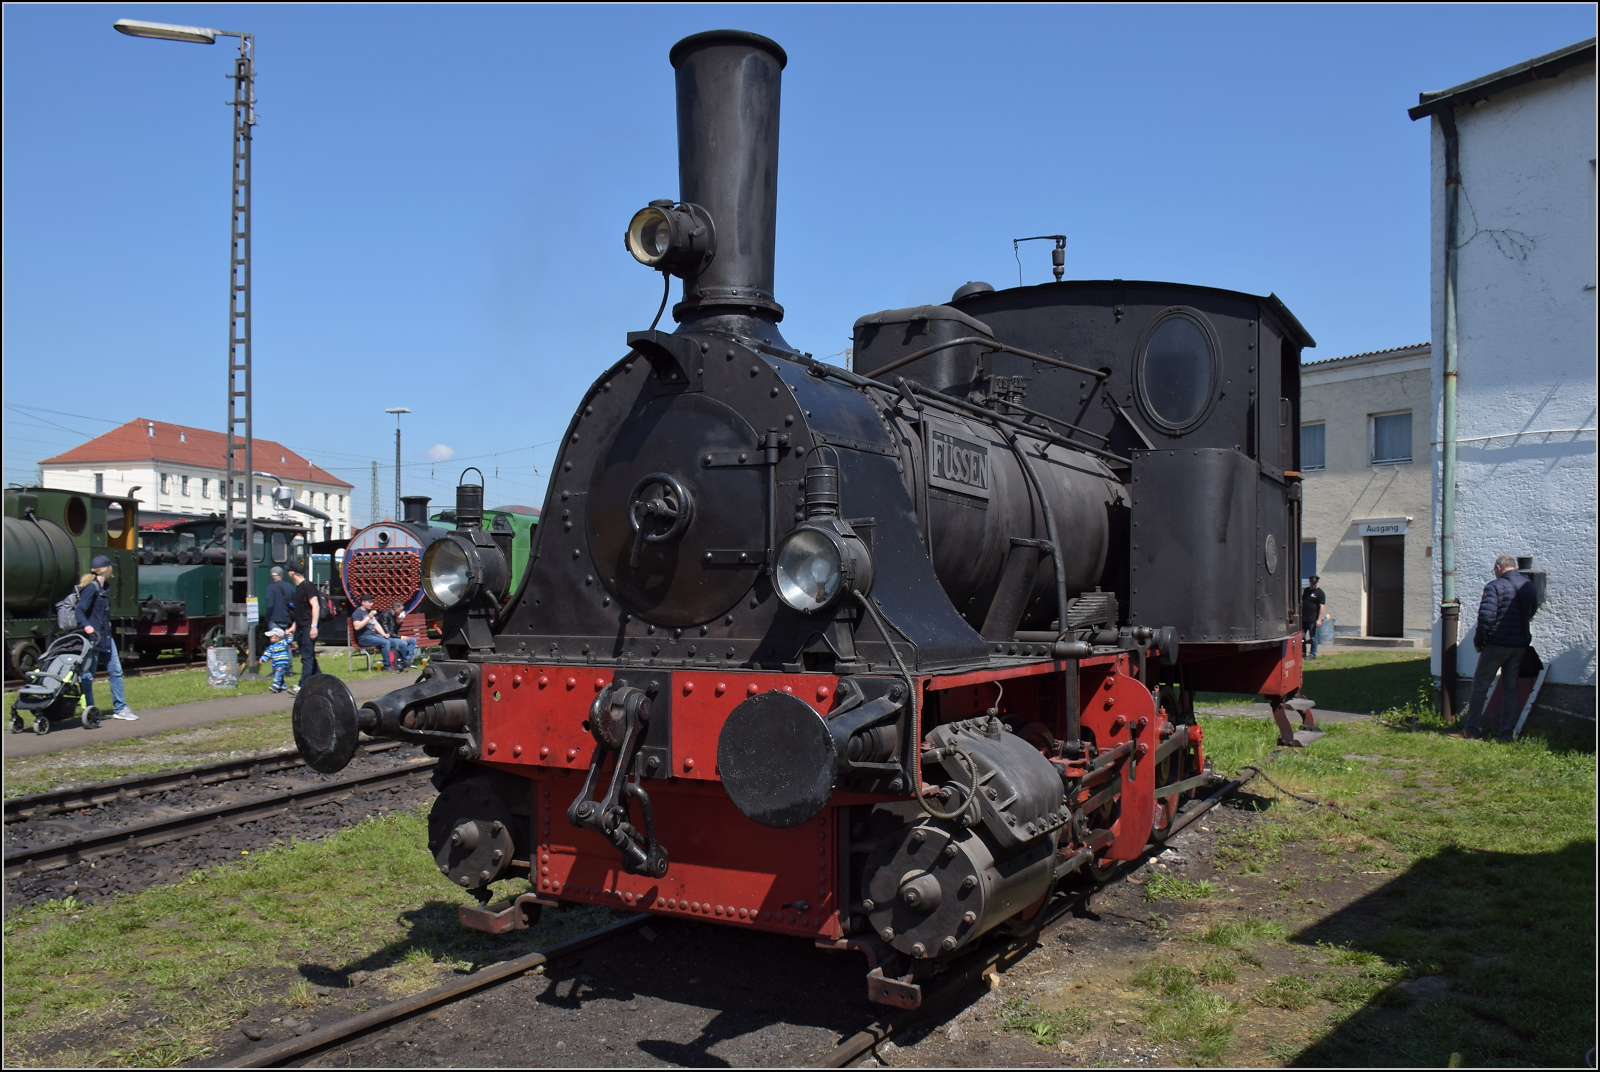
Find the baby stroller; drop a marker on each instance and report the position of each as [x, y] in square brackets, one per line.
[51, 689]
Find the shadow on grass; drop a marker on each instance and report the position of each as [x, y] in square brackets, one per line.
[1374, 687]
[1360, 682]
[1421, 717]
[1501, 953]
[437, 936]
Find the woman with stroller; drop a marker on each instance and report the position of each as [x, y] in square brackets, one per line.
[93, 614]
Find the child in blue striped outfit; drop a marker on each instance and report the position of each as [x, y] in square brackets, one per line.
[277, 654]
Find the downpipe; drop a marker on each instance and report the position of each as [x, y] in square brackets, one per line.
[1449, 605]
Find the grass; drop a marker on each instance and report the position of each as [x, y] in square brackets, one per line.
[1185, 1011]
[366, 904]
[1292, 992]
[1484, 860]
[1159, 887]
[187, 686]
[1184, 1008]
[1370, 681]
[1041, 1026]
[1239, 933]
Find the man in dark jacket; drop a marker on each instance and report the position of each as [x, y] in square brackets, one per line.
[1503, 635]
[280, 595]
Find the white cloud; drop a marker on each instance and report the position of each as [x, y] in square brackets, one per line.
[440, 453]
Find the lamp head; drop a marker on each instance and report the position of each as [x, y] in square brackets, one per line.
[165, 31]
[677, 239]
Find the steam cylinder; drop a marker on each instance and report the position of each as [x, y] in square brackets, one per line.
[41, 565]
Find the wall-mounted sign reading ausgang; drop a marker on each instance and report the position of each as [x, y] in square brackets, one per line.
[1383, 526]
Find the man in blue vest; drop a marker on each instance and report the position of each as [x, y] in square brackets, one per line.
[1502, 636]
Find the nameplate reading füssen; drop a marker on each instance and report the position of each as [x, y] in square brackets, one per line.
[956, 463]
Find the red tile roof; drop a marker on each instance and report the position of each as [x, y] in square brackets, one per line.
[176, 444]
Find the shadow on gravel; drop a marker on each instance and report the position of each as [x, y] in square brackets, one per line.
[709, 987]
[1501, 952]
[728, 985]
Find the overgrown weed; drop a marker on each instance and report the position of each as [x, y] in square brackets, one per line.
[1042, 1026]
[1164, 887]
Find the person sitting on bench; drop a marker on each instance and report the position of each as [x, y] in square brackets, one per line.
[405, 647]
[369, 634]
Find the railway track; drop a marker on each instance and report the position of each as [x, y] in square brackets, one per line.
[959, 980]
[88, 846]
[60, 801]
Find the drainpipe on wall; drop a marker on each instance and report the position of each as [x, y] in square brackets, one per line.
[1449, 606]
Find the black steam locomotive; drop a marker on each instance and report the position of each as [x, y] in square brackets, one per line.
[880, 658]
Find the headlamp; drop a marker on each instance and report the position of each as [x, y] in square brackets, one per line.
[677, 239]
[456, 570]
[820, 561]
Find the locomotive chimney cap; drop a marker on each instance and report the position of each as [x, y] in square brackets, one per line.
[728, 37]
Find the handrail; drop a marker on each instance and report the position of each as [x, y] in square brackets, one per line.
[987, 344]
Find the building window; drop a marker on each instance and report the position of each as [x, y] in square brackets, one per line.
[1391, 437]
[183, 484]
[166, 483]
[99, 483]
[1308, 561]
[258, 494]
[1313, 446]
[341, 505]
[205, 487]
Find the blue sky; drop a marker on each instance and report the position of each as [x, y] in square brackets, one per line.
[440, 193]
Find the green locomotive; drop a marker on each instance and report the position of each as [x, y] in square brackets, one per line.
[167, 592]
[50, 538]
[181, 604]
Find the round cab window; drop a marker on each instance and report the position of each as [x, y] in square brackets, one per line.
[1178, 372]
[76, 516]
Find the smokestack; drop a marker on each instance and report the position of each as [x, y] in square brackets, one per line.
[415, 509]
[728, 84]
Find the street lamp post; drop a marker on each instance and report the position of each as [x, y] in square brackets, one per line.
[397, 410]
[239, 365]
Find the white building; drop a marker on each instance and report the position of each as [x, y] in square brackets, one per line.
[176, 470]
[1515, 151]
[1367, 520]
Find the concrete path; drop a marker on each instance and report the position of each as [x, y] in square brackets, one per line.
[69, 734]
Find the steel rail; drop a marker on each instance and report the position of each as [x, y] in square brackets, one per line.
[57, 801]
[399, 1010]
[156, 831]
